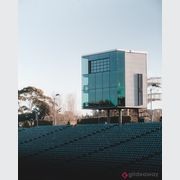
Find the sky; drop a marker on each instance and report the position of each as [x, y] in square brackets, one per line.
[54, 34]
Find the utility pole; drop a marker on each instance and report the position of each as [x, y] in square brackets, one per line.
[54, 107]
[54, 111]
[36, 117]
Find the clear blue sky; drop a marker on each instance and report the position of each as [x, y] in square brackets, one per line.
[54, 34]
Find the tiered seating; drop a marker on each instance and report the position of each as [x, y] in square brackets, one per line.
[28, 134]
[118, 146]
[113, 147]
[57, 137]
[126, 152]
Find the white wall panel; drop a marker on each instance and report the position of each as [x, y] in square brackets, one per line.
[135, 63]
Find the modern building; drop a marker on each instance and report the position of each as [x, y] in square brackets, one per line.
[115, 79]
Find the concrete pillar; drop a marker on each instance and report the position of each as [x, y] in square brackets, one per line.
[138, 114]
[99, 111]
[127, 112]
[108, 117]
[120, 116]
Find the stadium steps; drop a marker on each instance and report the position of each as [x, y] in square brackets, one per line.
[103, 141]
[118, 152]
[65, 138]
[89, 150]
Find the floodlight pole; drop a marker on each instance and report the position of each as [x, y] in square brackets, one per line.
[36, 117]
[55, 108]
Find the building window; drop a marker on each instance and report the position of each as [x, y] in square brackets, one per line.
[140, 89]
[99, 65]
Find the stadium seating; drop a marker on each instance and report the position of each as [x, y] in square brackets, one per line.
[90, 148]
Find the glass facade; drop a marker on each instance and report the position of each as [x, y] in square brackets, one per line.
[103, 80]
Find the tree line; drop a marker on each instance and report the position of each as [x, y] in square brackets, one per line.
[34, 106]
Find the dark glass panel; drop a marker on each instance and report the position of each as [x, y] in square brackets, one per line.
[105, 94]
[92, 96]
[98, 80]
[92, 81]
[140, 89]
[113, 96]
[85, 99]
[98, 95]
[113, 79]
[105, 79]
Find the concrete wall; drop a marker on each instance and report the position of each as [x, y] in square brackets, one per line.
[135, 63]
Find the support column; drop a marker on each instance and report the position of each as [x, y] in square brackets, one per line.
[99, 111]
[120, 116]
[127, 112]
[138, 114]
[108, 117]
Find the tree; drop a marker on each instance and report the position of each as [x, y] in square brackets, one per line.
[43, 108]
[31, 99]
[71, 102]
[70, 113]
